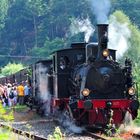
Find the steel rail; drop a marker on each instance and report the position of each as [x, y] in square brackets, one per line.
[23, 133]
[94, 135]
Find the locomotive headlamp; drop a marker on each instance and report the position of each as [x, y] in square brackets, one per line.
[85, 92]
[131, 91]
[106, 53]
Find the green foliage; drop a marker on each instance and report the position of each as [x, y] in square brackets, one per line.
[137, 120]
[20, 108]
[6, 115]
[29, 24]
[130, 8]
[136, 74]
[11, 68]
[3, 10]
[48, 48]
[133, 51]
[38, 27]
[121, 17]
[37, 7]
[4, 134]
[57, 135]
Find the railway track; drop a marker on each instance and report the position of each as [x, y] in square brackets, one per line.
[23, 133]
[132, 136]
[94, 135]
[136, 136]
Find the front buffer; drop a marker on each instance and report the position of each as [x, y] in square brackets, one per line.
[103, 112]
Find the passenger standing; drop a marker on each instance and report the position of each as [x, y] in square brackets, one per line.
[9, 87]
[15, 95]
[2, 93]
[5, 96]
[26, 92]
[11, 97]
[20, 90]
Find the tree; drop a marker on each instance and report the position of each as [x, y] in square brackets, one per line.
[133, 52]
[11, 68]
[26, 25]
[37, 9]
[134, 48]
[48, 48]
[130, 8]
[3, 10]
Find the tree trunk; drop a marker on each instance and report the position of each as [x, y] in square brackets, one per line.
[35, 30]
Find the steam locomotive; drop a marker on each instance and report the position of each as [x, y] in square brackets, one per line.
[87, 83]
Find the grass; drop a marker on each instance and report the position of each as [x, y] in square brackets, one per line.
[7, 134]
[4, 134]
[17, 108]
[7, 115]
[57, 135]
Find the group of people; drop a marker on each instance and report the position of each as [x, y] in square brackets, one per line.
[13, 93]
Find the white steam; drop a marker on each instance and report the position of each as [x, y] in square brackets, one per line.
[42, 83]
[128, 125]
[101, 10]
[119, 35]
[82, 26]
[69, 124]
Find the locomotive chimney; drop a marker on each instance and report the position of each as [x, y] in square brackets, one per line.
[102, 39]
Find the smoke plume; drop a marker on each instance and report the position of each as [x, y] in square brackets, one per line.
[79, 26]
[119, 35]
[129, 125]
[42, 84]
[101, 10]
[68, 123]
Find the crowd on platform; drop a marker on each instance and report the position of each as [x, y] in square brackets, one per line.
[12, 94]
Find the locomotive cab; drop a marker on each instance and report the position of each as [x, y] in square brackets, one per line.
[64, 61]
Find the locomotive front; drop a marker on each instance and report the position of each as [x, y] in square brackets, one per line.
[106, 88]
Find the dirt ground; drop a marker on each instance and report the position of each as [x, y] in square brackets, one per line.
[22, 114]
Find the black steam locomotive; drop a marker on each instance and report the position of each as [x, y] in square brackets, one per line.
[87, 82]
